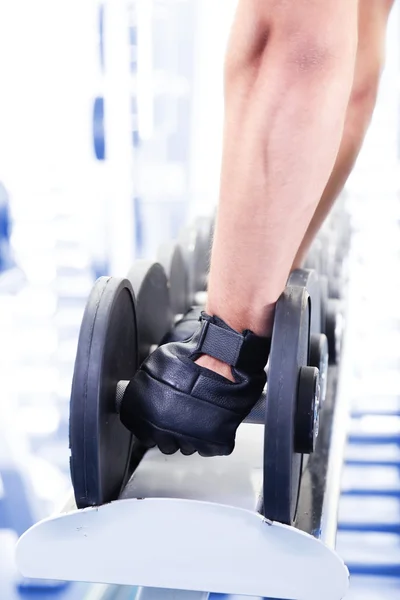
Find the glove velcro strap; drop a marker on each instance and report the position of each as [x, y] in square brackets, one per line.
[243, 351]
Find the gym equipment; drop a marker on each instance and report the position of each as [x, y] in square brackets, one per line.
[330, 309]
[195, 241]
[107, 352]
[295, 391]
[170, 256]
[193, 523]
[185, 327]
[334, 329]
[322, 258]
[293, 394]
[319, 345]
[107, 358]
[154, 315]
[329, 250]
[116, 335]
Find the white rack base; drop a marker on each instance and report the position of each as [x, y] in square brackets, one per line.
[183, 545]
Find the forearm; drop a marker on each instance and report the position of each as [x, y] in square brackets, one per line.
[279, 149]
[372, 23]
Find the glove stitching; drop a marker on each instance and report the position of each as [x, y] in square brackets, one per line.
[169, 386]
[171, 432]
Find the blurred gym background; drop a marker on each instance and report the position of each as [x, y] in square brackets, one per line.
[110, 140]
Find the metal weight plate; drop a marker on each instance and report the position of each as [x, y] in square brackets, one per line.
[170, 256]
[107, 353]
[153, 305]
[289, 354]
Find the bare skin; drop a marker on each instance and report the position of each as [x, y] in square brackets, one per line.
[285, 60]
[372, 21]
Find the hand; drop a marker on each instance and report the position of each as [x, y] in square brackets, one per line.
[176, 404]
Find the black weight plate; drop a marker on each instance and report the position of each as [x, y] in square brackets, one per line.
[289, 353]
[185, 327]
[153, 304]
[107, 353]
[309, 280]
[170, 256]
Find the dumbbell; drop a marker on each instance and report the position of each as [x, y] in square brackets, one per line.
[330, 321]
[116, 334]
[186, 315]
[322, 258]
[195, 240]
[339, 227]
[186, 262]
[319, 352]
[170, 256]
[331, 291]
[104, 453]
[154, 314]
[334, 329]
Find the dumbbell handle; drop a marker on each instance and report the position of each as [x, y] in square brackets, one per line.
[120, 391]
[256, 415]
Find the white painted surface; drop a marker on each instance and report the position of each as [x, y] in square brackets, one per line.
[235, 480]
[182, 544]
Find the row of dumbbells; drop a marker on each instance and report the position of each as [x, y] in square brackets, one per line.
[126, 319]
[173, 290]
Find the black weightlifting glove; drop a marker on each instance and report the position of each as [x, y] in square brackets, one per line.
[175, 404]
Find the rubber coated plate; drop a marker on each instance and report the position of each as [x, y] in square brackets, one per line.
[309, 280]
[153, 304]
[185, 328]
[170, 257]
[107, 353]
[289, 352]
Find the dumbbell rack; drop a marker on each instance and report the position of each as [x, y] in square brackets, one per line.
[173, 541]
[369, 509]
[166, 525]
[369, 518]
[189, 497]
